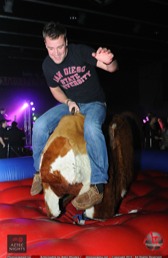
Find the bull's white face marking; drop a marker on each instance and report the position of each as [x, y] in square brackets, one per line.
[52, 201]
[74, 168]
[66, 166]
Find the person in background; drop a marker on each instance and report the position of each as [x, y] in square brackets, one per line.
[152, 133]
[3, 138]
[2, 114]
[70, 72]
[16, 138]
[164, 136]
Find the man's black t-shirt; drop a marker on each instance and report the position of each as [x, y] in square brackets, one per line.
[76, 75]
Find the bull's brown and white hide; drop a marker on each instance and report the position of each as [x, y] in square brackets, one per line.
[65, 166]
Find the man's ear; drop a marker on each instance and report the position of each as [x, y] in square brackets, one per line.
[66, 42]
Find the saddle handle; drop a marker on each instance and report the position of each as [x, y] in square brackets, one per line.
[73, 111]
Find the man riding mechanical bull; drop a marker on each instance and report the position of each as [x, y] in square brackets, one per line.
[70, 72]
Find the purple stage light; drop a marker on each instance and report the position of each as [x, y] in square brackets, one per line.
[24, 106]
[18, 113]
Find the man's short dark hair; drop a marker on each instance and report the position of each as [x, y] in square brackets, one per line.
[54, 30]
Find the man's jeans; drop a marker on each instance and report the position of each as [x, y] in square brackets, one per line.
[95, 114]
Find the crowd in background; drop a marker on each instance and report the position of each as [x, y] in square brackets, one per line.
[155, 132]
[12, 138]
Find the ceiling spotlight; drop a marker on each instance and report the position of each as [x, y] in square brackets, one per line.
[104, 2]
[73, 17]
[8, 6]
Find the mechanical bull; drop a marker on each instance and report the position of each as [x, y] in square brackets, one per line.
[65, 166]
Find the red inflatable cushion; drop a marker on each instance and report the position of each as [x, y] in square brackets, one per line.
[140, 228]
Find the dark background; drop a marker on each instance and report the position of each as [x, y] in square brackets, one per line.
[135, 30]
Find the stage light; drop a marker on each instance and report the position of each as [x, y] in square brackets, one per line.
[25, 105]
[18, 111]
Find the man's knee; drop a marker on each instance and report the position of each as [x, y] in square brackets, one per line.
[39, 126]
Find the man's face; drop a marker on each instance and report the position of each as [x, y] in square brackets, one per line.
[57, 48]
